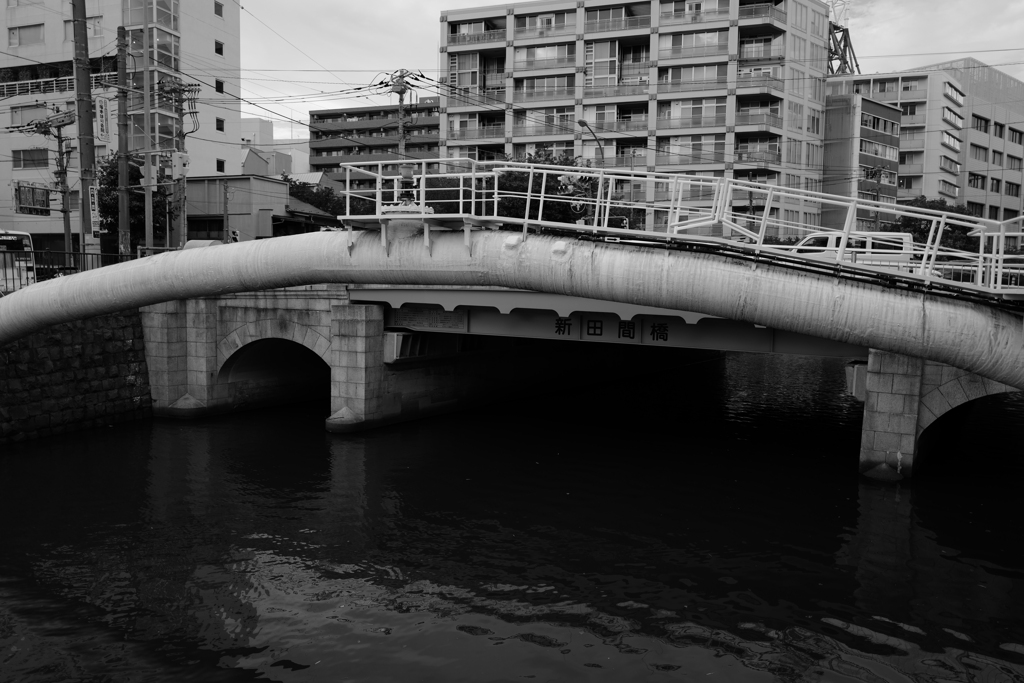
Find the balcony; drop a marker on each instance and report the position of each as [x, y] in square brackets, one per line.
[912, 95]
[911, 169]
[564, 128]
[698, 159]
[476, 96]
[558, 62]
[617, 90]
[671, 18]
[760, 53]
[545, 31]
[686, 52]
[477, 133]
[629, 161]
[762, 11]
[887, 96]
[757, 156]
[691, 122]
[912, 120]
[543, 94]
[476, 38]
[759, 81]
[758, 119]
[54, 85]
[691, 86]
[621, 125]
[911, 144]
[603, 25]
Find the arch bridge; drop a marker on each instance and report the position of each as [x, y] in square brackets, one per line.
[944, 325]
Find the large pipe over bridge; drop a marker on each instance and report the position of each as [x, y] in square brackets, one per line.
[981, 339]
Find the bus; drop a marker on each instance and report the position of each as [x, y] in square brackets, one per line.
[17, 261]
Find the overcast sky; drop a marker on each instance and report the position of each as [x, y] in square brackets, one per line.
[337, 45]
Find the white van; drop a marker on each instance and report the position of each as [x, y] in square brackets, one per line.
[886, 249]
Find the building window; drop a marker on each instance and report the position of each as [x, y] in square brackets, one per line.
[976, 180]
[218, 86]
[979, 123]
[27, 114]
[997, 130]
[976, 209]
[20, 36]
[997, 158]
[74, 200]
[995, 186]
[220, 166]
[993, 212]
[1014, 163]
[952, 117]
[911, 84]
[979, 153]
[93, 29]
[950, 141]
[948, 188]
[218, 9]
[31, 158]
[218, 47]
[1016, 136]
[219, 124]
[951, 165]
[909, 109]
[954, 94]
[1013, 189]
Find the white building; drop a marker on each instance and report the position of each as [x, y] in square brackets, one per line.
[200, 46]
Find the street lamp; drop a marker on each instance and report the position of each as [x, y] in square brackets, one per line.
[600, 150]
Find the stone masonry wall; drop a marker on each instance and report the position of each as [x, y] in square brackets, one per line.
[73, 376]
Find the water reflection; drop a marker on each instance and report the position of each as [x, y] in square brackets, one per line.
[712, 532]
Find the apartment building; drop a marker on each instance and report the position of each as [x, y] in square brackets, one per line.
[931, 130]
[199, 46]
[359, 134]
[714, 88]
[993, 111]
[866, 132]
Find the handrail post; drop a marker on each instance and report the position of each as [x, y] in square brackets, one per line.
[851, 220]
[543, 193]
[764, 216]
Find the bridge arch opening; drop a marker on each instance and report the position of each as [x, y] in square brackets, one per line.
[966, 439]
[274, 372]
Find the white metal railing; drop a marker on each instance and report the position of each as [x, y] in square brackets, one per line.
[719, 213]
[44, 86]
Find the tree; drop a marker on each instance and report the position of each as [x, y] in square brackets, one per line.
[325, 199]
[106, 195]
[568, 188]
[953, 237]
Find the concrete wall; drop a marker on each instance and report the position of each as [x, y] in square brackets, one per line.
[72, 376]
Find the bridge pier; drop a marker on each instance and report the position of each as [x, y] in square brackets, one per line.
[902, 397]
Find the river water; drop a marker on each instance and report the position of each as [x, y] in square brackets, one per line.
[700, 522]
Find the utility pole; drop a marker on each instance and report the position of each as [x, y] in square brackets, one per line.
[147, 89]
[876, 174]
[226, 236]
[83, 100]
[399, 86]
[65, 193]
[124, 241]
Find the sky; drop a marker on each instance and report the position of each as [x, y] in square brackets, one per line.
[299, 55]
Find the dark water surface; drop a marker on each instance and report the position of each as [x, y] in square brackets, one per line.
[704, 523]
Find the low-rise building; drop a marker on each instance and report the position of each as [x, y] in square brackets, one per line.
[862, 139]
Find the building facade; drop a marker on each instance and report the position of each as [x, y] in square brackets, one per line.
[866, 132]
[993, 169]
[732, 88]
[931, 133]
[360, 134]
[36, 76]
